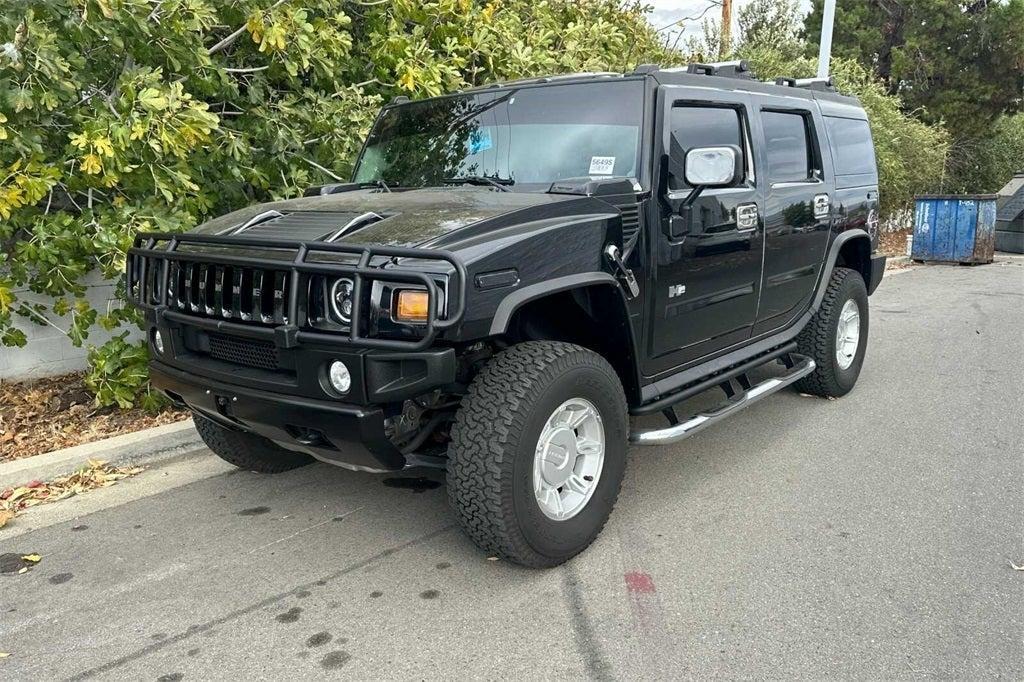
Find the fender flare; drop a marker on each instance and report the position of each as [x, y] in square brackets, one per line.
[830, 262]
[627, 363]
[516, 299]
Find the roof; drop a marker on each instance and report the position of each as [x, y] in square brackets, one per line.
[1010, 201]
[723, 75]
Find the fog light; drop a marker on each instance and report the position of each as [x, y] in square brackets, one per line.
[158, 341]
[339, 376]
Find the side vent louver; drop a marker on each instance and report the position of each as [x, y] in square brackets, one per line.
[630, 221]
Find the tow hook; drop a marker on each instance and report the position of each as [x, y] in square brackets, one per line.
[613, 254]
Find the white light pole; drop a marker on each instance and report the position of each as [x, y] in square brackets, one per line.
[825, 46]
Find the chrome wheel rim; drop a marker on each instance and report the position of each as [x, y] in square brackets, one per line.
[847, 334]
[568, 460]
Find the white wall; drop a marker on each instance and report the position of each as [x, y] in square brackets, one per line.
[48, 350]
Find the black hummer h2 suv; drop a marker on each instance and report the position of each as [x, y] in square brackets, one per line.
[513, 272]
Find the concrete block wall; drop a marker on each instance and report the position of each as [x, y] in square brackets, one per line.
[48, 351]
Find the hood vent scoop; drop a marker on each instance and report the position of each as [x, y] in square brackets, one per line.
[357, 223]
[304, 225]
[256, 220]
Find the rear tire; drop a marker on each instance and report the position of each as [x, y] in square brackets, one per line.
[556, 399]
[247, 451]
[822, 339]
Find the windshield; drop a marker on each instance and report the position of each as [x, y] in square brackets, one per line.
[531, 136]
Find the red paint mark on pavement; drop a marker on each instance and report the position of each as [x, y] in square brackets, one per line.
[639, 583]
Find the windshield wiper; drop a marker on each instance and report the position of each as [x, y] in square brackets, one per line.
[376, 184]
[494, 181]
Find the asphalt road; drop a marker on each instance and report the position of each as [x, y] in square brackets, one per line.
[869, 537]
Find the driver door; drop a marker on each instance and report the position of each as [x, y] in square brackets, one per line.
[707, 257]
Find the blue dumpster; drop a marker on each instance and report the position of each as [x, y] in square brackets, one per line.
[954, 228]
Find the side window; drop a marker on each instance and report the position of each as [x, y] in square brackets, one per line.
[852, 150]
[790, 157]
[692, 126]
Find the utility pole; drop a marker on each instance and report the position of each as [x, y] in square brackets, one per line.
[825, 46]
[726, 45]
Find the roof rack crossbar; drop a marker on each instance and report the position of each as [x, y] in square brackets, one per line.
[734, 69]
[823, 84]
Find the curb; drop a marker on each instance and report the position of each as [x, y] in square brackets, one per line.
[141, 447]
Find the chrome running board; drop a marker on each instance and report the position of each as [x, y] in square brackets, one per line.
[698, 422]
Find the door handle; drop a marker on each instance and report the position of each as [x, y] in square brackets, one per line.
[822, 206]
[746, 217]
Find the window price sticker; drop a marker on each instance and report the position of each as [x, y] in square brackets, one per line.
[601, 165]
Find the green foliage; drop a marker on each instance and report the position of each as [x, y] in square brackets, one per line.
[960, 62]
[127, 116]
[771, 24]
[119, 374]
[911, 154]
[986, 163]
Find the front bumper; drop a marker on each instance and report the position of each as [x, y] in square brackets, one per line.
[348, 435]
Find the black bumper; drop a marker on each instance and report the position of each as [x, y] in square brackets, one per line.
[339, 433]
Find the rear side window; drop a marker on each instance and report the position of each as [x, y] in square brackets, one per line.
[701, 127]
[789, 150]
[852, 150]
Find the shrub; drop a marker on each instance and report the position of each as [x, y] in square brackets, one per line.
[126, 116]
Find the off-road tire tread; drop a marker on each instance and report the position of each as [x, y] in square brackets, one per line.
[495, 407]
[817, 338]
[246, 450]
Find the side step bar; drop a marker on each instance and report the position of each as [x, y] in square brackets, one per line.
[746, 397]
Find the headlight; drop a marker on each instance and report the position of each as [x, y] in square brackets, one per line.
[410, 305]
[341, 299]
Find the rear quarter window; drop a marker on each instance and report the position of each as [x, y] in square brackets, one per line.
[852, 150]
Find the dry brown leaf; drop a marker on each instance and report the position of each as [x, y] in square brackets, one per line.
[55, 412]
[4, 654]
[5, 516]
[31, 558]
[96, 474]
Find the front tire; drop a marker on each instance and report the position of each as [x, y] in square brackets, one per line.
[246, 450]
[836, 337]
[538, 452]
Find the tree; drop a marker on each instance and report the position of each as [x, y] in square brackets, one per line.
[911, 154]
[956, 62]
[127, 116]
[771, 23]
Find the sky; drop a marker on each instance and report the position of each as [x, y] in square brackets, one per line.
[665, 12]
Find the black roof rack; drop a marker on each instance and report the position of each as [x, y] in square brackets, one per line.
[550, 79]
[822, 84]
[735, 69]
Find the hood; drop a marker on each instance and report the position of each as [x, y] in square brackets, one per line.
[402, 218]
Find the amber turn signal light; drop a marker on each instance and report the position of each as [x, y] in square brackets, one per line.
[411, 306]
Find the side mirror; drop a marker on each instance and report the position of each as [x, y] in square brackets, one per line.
[713, 166]
[704, 167]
